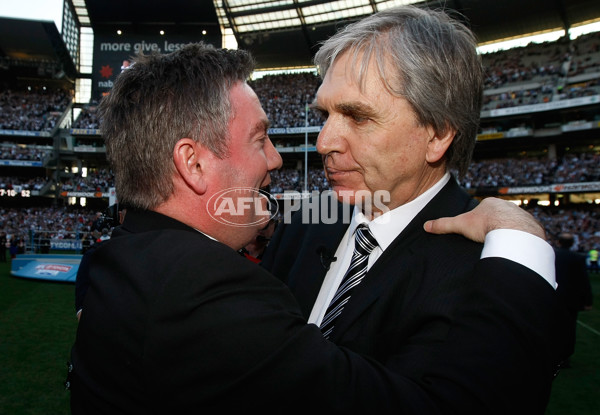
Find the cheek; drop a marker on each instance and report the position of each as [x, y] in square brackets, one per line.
[258, 168]
[241, 167]
[386, 164]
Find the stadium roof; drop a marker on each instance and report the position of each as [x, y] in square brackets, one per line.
[32, 40]
[284, 33]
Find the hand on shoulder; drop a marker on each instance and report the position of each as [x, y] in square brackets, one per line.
[491, 214]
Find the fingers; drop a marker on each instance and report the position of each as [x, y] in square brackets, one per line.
[466, 224]
[441, 226]
[492, 213]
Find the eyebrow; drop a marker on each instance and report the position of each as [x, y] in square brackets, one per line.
[356, 108]
[348, 108]
[261, 126]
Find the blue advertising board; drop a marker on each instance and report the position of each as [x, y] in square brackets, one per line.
[49, 267]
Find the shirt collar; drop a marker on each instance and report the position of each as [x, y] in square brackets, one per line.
[388, 226]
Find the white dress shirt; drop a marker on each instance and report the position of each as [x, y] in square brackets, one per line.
[521, 247]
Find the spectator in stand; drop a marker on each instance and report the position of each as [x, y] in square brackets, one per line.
[125, 65]
[3, 241]
[105, 236]
[98, 223]
[573, 281]
[88, 118]
[14, 246]
[593, 259]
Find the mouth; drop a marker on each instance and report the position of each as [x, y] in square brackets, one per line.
[334, 174]
[265, 189]
[269, 200]
[330, 170]
[267, 182]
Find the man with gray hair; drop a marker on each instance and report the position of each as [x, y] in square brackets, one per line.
[174, 320]
[475, 330]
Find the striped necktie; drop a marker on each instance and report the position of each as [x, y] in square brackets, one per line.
[363, 245]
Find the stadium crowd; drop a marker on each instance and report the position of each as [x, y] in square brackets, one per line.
[21, 226]
[23, 229]
[98, 180]
[584, 224]
[571, 168]
[88, 118]
[12, 151]
[548, 62]
[482, 174]
[32, 109]
[26, 183]
[285, 99]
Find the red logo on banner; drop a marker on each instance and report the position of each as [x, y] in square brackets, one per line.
[106, 71]
[54, 267]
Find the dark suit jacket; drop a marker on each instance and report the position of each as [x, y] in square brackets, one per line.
[574, 286]
[82, 278]
[573, 280]
[176, 323]
[475, 336]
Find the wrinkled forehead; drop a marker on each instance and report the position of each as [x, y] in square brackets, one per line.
[365, 66]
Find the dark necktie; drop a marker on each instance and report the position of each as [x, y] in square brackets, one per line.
[363, 245]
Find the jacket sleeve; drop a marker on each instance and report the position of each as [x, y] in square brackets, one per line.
[504, 347]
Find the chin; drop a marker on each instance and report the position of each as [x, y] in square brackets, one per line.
[353, 196]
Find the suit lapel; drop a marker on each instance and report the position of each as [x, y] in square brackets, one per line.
[395, 261]
[320, 241]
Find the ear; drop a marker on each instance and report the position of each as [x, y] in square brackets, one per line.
[189, 160]
[438, 144]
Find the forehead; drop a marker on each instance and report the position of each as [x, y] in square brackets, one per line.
[353, 75]
[248, 116]
[348, 90]
[244, 98]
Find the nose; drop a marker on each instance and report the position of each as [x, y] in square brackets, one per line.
[274, 160]
[329, 139]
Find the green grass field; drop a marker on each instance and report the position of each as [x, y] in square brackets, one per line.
[576, 391]
[37, 328]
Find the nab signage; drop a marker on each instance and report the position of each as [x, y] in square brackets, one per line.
[113, 53]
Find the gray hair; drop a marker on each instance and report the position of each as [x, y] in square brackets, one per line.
[435, 67]
[160, 99]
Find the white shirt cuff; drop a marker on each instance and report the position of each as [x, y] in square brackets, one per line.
[522, 248]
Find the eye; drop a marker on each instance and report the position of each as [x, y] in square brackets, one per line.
[321, 112]
[359, 119]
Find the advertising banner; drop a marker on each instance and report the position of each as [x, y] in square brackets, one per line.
[113, 52]
[51, 267]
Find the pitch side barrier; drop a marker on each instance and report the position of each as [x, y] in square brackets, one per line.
[48, 267]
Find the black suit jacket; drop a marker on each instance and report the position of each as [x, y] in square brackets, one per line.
[574, 286]
[176, 323]
[475, 336]
[573, 280]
